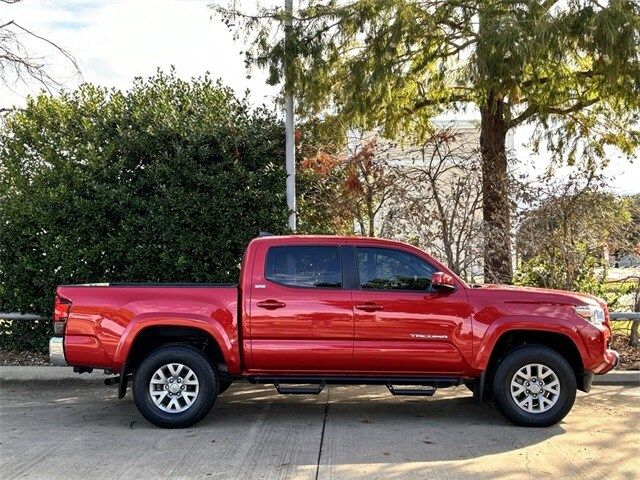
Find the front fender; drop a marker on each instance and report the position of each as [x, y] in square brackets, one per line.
[519, 323]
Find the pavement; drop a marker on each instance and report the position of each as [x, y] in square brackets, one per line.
[58, 425]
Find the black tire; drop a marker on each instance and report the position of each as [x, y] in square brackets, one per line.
[223, 386]
[520, 357]
[207, 380]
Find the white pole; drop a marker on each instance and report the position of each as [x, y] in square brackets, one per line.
[290, 148]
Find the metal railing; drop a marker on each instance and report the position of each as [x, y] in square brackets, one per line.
[631, 330]
[19, 316]
[622, 316]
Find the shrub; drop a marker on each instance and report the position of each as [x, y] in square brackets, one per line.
[166, 182]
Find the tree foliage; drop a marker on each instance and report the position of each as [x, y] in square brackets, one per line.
[440, 205]
[570, 68]
[563, 236]
[397, 63]
[353, 185]
[320, 187]
[166, 182]
[429, 195]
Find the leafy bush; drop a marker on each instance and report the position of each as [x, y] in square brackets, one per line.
[590, 278]
[562, 241]
[166, 182]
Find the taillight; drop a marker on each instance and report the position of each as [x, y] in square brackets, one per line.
[61, 309]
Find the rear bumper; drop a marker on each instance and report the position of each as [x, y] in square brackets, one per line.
[56, 351]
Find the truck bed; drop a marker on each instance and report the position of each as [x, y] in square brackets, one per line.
[105, 319]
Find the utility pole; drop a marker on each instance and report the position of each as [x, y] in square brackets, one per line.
[290, 148]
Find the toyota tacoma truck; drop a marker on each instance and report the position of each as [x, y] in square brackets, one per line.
[310, 311]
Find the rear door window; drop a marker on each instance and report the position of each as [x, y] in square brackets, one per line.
[305, 266]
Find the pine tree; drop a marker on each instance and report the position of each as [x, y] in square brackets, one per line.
[570, 68]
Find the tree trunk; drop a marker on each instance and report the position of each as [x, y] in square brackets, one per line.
[635, 325]
[496, 207]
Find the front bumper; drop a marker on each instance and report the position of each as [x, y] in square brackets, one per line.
[612, 358]
[611, 361]
[56, 351]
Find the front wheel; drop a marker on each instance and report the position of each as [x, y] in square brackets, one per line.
[174, 387]
[534, 386]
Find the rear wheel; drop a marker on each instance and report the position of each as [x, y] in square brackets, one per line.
[175, 387]
[534, 386]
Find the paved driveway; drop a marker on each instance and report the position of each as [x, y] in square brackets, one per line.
[57, 426]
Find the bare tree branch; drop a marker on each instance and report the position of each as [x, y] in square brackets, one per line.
[533, 109]
[19, 64]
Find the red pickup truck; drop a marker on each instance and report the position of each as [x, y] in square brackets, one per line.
[316, 310]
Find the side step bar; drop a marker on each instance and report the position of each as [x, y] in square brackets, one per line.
[415, 386]
[299, 390]
[427, 391]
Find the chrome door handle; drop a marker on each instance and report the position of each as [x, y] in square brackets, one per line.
[271, 304]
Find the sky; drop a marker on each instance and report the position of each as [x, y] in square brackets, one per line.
[115, 41]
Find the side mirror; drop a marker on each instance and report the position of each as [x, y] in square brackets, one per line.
[442, 282]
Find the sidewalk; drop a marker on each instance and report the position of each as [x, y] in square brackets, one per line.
[60, 425]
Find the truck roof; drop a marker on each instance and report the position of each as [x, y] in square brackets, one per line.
[325, 239]
[307, 238]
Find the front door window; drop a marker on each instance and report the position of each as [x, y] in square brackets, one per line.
[387, 269]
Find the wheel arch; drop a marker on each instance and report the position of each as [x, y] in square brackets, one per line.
[146, 334]
[549, 331]
[560, 342]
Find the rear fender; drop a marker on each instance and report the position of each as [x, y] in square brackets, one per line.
[228, 346]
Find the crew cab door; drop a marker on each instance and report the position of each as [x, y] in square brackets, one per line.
[402, 325]
[301, 315]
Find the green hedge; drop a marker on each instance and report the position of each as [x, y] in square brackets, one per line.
[166, 182]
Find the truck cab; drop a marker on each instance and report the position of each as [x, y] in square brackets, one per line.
[339, 305]
[315, 310]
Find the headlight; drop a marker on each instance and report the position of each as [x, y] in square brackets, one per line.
[591, 313]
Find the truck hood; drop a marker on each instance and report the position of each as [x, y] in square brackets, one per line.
[512, 293]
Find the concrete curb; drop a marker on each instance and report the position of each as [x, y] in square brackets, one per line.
[33, 373]
[22, 373]
[618, 377]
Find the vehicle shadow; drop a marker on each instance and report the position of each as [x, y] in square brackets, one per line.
[447, 426]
